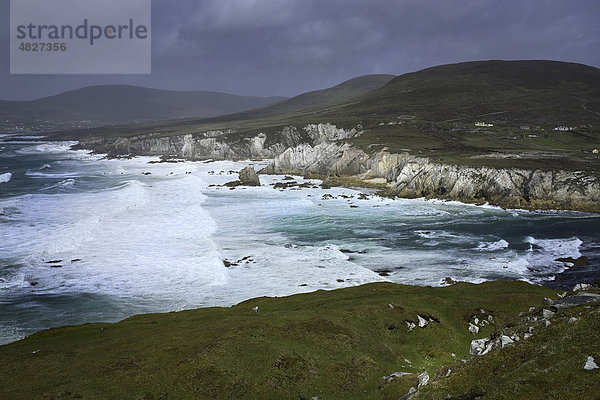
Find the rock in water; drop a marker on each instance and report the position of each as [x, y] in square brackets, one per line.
[590, 364]
[326, 183]
[248, 177]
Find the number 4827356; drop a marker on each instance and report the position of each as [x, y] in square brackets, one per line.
[26, 46]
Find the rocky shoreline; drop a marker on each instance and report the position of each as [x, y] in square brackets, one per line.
[326, 150]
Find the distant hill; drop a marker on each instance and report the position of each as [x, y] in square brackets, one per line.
[117, 104]
[318, 99]
[509, 92]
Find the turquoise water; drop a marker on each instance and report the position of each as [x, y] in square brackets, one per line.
[85, 239]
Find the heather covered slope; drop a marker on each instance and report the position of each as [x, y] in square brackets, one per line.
[502, 92]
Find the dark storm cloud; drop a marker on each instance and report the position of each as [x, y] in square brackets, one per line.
[284, 47]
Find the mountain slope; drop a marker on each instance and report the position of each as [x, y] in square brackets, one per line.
[111, 104]
[314, 100]
[508, 92]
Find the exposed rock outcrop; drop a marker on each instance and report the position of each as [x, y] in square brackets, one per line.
[412, 177]
[248, 177]
[322, 149]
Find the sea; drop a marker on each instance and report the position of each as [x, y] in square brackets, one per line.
[84, 238]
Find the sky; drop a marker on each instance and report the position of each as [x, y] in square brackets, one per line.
[287, 47]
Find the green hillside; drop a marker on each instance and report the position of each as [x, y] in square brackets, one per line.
[329, 344]
[433, 113]
[502, 92]
[314, 101]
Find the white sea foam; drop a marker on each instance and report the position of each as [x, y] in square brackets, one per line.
[154, 237]
[6, 177]
[493, 246]
[47, 148]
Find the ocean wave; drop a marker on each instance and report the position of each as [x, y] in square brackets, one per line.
[5, 177]
[67, 184]
[52, 148]
[493, 246]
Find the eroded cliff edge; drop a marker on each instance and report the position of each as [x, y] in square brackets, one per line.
[324, 150]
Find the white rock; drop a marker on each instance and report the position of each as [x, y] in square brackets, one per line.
[412, 390]
[391, 306]
[255, 309]
[546, 322]
[547, 314]
[572, 320]
[476, 321]
[531, 309]
[474, 329]
[590, 364]
[490, 319]
[478, 346]
[448, 372]
[391, 377]
[582, 286]
[527, 335]
[411, 325]
[422, 322]
[424, 379]
[506, 341]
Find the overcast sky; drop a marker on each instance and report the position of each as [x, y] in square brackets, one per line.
[286, 47]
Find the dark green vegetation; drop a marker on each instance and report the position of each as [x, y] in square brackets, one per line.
[111, 104]
[433, 113]
[315, 101]
[331, 344]
[549, 365]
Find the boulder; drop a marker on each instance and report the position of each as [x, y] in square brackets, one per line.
[480, 347]
[474, 329]
[448, 281]
[326, 183]
[424, 379]
[547, 313]
[391, 377]
[590, 364]
[506, 341]
[422, 322]
[248, 177]
[582, 286]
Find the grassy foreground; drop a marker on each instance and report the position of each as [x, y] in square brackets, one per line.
[327, 344]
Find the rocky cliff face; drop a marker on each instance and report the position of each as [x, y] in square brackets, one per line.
[410, 176]
[322, 149]
[220, 145]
